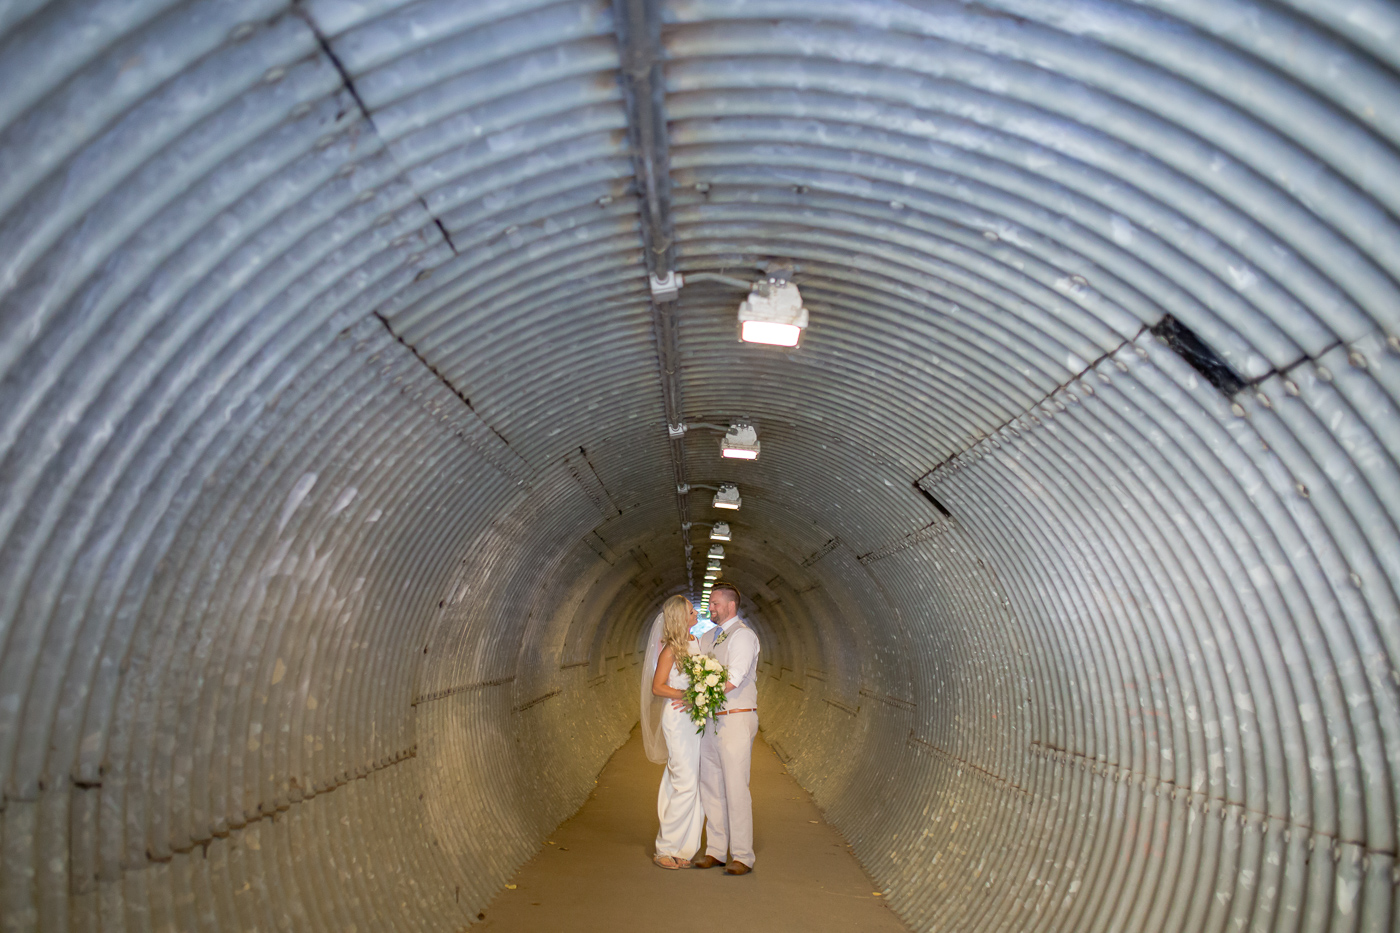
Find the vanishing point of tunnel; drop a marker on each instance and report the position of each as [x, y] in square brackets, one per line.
[367, 369]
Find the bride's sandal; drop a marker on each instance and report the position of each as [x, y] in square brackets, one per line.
[665, 861]
[683, 863]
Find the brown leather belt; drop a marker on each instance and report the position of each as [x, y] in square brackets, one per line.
[726, 712]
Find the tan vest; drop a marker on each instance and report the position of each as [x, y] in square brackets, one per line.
[745, 697]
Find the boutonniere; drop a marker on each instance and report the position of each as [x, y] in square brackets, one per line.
[722, 636]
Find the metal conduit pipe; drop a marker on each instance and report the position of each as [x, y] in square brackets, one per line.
[338, 487]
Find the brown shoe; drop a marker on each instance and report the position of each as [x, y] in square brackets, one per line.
[737, 868]
[706, 861]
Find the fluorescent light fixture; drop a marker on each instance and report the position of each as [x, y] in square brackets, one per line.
[717, 552]
[773, 314]
[713, 565]
[719, 531]
[740, 442]
[775, 335]
[728, 497]
[711, 576]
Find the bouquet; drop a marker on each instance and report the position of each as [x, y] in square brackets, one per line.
[705, 695]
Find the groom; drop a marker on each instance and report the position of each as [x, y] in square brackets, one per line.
[725, 751]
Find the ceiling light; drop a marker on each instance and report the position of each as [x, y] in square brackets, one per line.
[728, 497]
[773, 314]
[740, 442]
[717, 552]
[719, 531]
[713, 565]
[711, 576]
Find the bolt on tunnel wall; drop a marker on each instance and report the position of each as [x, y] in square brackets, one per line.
[360, 365]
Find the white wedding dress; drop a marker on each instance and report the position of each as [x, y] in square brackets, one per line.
[671, 732]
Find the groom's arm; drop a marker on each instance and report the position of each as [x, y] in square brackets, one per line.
[743, 659]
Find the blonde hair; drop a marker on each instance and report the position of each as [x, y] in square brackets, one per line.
[675, 629]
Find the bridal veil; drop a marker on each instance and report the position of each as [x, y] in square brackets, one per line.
[652, 705]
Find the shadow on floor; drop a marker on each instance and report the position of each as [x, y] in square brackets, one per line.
[597, 873]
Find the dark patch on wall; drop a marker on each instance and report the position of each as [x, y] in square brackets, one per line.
[1199, 355]
[943, 509]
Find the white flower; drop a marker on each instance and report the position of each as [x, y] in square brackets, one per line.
[711, 664]
[711, 680]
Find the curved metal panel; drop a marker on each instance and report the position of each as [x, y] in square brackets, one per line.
[338, 488]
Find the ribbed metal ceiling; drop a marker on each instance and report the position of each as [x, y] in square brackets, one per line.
[337, 482]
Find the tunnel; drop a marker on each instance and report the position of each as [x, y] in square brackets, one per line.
[367, 366]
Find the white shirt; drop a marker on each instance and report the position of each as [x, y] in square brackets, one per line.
[743, 654]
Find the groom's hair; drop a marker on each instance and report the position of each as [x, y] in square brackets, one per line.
[727, 586]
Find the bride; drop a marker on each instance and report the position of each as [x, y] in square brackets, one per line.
[669, 734]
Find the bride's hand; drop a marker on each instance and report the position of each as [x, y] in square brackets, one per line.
[679, 703]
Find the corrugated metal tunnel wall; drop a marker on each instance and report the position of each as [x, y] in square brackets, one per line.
[337, 483]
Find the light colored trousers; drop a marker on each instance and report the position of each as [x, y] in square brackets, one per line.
[725, 756]
[678, 801]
